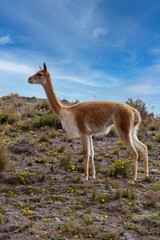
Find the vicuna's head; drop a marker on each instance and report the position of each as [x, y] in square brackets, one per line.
[39, 77]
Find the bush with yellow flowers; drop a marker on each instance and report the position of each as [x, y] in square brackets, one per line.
[120, 167]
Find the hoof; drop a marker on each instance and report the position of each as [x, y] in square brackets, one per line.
[131, 181]
[147, 178]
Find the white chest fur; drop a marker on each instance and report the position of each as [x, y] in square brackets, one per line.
[68, 123]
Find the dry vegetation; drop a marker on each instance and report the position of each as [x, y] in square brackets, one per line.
[43, 195]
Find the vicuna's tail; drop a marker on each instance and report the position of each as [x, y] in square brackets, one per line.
[137, 117]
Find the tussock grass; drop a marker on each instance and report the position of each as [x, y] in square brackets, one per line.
[45, 137]
[130, 193]
[152, 199]
[53, 133]
[119, 192]
[1, 218]
[3, 157]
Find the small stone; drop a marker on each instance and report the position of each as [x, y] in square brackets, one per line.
[154, 171]
[57, 219]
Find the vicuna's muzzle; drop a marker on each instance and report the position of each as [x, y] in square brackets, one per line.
[29, 80]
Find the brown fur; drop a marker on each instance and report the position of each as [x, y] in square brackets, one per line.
[89, 118]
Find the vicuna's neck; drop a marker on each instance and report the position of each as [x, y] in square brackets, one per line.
[52, 98]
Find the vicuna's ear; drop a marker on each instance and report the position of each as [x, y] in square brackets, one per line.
[40, 67]
[45, 67]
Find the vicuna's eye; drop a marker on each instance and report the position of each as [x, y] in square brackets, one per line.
[39, 74]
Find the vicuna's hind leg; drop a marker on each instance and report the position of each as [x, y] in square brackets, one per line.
[143, 149]
[126, 138]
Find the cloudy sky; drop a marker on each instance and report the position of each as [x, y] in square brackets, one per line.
[94, 49]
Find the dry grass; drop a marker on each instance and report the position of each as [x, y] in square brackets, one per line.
[3, 157]
[152, 199]
[45, 137]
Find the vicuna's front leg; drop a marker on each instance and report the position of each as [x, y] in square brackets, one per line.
[92, 158]
[86, 153]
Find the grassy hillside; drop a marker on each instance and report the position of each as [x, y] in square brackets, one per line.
[43, 195]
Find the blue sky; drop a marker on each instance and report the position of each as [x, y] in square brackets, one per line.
[94, 49]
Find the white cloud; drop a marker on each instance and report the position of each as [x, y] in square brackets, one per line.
[77, 80]
[15, 67]
[5, 39]
[99, 31]
[153, 69]
[145, 89]
[155, 51]
[85, 76]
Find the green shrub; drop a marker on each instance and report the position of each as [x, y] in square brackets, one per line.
[120, 167]
[43, 105]
[103, 198]
[66, 163]
[3, 118]
[149, 146]
[140, 106]
[48, 120]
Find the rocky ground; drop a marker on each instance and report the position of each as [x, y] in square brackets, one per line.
[43, 195]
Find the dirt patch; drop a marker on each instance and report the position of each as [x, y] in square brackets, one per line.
[22, 147]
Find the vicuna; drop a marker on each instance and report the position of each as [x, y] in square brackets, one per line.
[88, 118]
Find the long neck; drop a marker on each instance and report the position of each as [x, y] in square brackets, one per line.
[52, 98]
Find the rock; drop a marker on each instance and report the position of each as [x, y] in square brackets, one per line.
[57, 219]
[154, 171]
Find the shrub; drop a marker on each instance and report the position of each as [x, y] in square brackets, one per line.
[140, 106]
[103, 198]
[65, 163]
[120, 167]
[43, 105]
[3, 118]
[48, 120]
[10, 96]
[149, 146]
